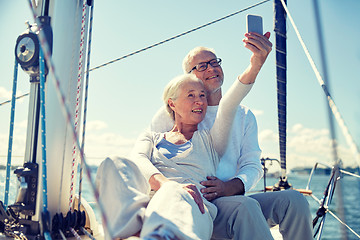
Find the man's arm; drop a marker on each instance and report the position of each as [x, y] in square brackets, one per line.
[161, 121]
[249, 169]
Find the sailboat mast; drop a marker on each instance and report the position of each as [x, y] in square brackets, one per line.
[66, 19]
[61, 33]
[336, 159]
[280, 47]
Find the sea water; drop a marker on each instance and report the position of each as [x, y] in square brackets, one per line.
[350, 188]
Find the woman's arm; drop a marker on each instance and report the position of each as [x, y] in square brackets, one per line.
[228, 105]
[260, 46]
[141, 154]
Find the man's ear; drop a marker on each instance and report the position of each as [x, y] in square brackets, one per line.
[171, 104]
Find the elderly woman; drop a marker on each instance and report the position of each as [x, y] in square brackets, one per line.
[172, 164]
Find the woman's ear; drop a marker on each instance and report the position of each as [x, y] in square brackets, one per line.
[171, 104]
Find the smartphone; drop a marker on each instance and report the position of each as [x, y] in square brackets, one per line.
[254, 23]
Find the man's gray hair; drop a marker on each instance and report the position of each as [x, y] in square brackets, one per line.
[171, 90]
[189, 57]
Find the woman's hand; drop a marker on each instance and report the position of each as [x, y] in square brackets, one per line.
[260, 46]
[191, 188]
[157, 180]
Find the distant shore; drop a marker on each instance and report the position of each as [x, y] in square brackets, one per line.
[321, 170]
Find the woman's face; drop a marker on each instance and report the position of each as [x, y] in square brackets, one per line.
[191, 103]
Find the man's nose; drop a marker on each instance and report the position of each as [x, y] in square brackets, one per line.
[210, 68]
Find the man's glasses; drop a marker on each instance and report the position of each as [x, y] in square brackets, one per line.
[204, 65]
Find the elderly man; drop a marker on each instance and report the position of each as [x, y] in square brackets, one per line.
[239, 216]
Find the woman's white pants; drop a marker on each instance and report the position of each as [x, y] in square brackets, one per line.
[124, 194]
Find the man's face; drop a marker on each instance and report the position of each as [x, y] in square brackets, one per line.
[212, 77]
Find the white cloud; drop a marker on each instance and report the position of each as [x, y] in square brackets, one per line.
[267, 135]
[96, 125]
[305, 147]
[18, 146]
[4, 93]
[97, 146]
[100, 146]
[99, 143]
[257, 112]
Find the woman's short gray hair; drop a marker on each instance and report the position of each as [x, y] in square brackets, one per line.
[189, 57]
[171, 90]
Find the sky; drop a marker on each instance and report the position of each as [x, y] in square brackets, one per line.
[125, 95]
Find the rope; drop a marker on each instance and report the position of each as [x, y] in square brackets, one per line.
[76, 235]
[326, 78]
[78, 95]
[344, 224]
[86, 98]
[47, 236]
[11, 135]
[327, 198]
[328, 194]
[45, 46]
[86, 232]
[43, 133]
[336, 217]
[62, 235]
[179, 35]
[176, 36]
[349, 139]
[349, 173]
[322, 221]
[9, 101]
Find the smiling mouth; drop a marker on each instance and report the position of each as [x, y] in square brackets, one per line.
[197, 111]
[211, 77]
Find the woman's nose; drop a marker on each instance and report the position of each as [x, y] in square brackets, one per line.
[199, 101]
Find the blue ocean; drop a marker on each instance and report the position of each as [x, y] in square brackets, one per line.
[333, 230]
